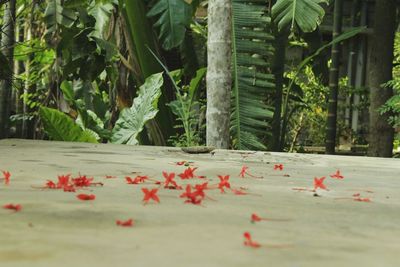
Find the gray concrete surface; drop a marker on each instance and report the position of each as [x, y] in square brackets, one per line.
[55, 229]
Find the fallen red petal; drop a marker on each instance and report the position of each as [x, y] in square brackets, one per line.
[127, 223]
[16, 207]
[86, 197]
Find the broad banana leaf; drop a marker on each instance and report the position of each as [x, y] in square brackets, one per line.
[306, 14]
[173, 18]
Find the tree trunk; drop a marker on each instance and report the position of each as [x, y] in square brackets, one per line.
[380, 71]
[7, 46]
[219, 78]
[334, 81]
[278, 69]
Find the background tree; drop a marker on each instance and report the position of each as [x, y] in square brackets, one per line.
[380, 71]
[219, 78]
[7, 49]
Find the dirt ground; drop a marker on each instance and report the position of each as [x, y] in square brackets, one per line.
[55, 228]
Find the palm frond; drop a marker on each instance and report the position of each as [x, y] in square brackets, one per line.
[253, 81]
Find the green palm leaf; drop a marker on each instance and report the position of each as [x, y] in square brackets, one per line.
[252, 48]
[144, 108]
[306, 14]
[174, 17]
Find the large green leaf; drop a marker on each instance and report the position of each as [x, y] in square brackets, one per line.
[144, 108]
[252, 48]
[56, 15]
[60, 127]
[102, 13]
[306, 14]
[173, 18]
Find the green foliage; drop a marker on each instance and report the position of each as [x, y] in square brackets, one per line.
[60, 127]
[187, 110]
[56, 15]
[144, 108]
[306, 14]
[392, 106]
[252, 48]
[174, 16]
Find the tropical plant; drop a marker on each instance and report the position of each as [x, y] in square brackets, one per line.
[144, 108]
[252, 47]
[60, 127]
[306, 14]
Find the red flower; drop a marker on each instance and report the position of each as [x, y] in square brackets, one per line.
[180, 163]
[150, 194]
[319, 183]
[187, 173]
[249, 242]
[193, 197]
[255, 218]
[224, 182]
[278, 167]
[7, 176]
[63, 180]
[337, 175]
[15, 207]
[127, 223]
[82, 181]
[243, 171]
[169, 181]
[50, 184]
[86, 197]
[137, 180]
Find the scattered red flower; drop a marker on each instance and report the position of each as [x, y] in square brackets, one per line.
[192, 197]
[249, 242]
[244, 171]
[255, 218]
[7, 176]
[82, 181]
[319, 183]
[127, 223]
[150, 194]
[180, 163]
[137, 180]
[224, 182]
[50, 184]
[278, 167]
[86, 197]
[169, 181]
[188, 173]
[337, 175]
[15, 207]
[63, 180]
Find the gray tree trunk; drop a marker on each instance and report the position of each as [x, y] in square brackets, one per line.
[380, 71]
[219, 80]
[7, 47]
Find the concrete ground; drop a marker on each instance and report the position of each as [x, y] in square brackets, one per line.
[54, 228]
